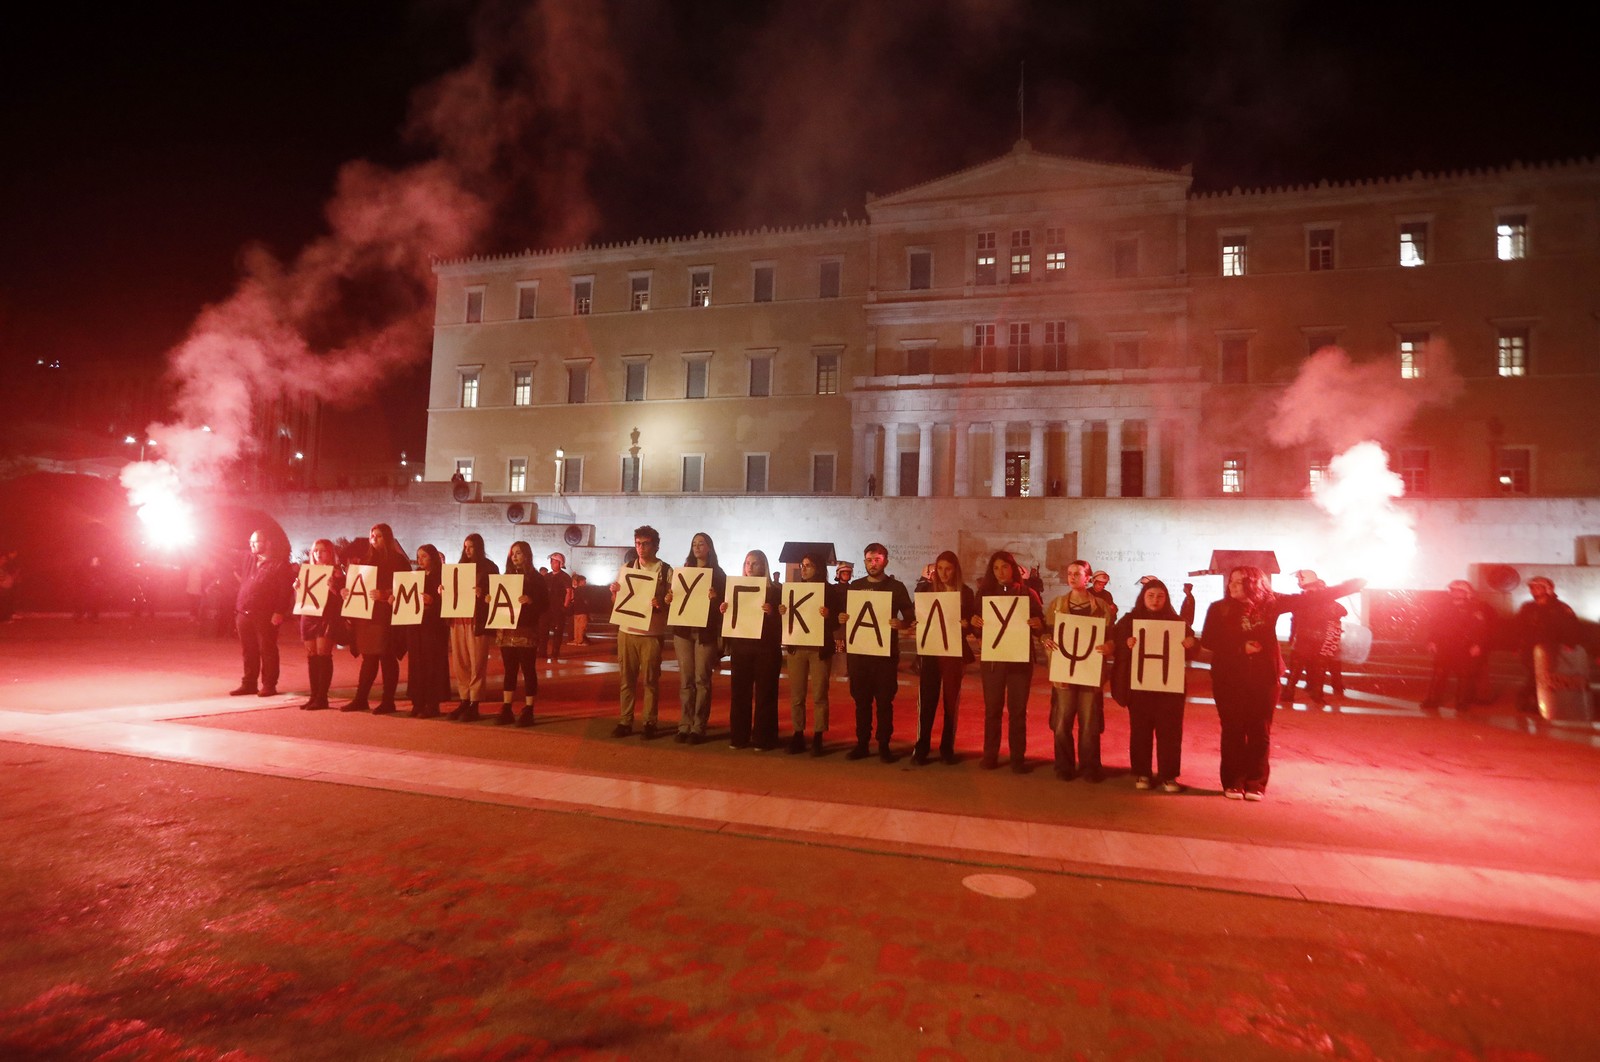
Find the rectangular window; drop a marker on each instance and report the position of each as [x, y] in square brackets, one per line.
[827, 374]
[828, 280]
[1019, 348]
[1318, 340]
[1055, 264]
[1511, 237]
[1414, 243]
[700, 288]
[583, 297]
[1513, 469]
[920, 267]
[760, 375]
[522, 387]
[527, 301]
[517, 475]
[1234, 255]
[985, 272]
[464, 468]
[633, 389]
[694, 468]
[639, 292]
[697, 373]
[571, 475]
[1414, 470]
[822, 474]
[1317, 470]
[1125, 257]
[630, 474]
[1319, 249]
[469, 390]
[1125, 354]
[755, 473]
[764, 283]
[1511, 352]
[1413, 355]
[985, 356]
[474, 307]
[1233, 361]
[1021, 256]
[1233, 473]
[919, 361]
[577, 384]
[1055, 236]
[1055, 346]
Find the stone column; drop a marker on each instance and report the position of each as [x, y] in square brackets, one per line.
[925, 460]
[1152, 458]
[1113, 458]
[997, 460]
[1038, 480]
[891, 460]
[960, 436]
[1074, 458]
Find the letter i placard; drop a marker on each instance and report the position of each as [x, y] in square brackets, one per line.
[458, 591]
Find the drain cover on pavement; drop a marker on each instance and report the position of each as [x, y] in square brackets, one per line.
[1000, 885]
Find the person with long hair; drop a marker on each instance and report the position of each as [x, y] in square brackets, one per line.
[469, 642]
[376, 642]
[428, 674]
[318, 632]
[698, 649]
[943, 674]
[1071, 704]
[1154, 717]
[1005, 682]
[1246, 667]
[754, 664]
[811, 666]
[520, 645]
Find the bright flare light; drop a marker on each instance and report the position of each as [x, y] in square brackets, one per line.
[1371, 537]
[153, 489]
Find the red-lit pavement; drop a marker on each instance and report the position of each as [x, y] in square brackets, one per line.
[192, 875]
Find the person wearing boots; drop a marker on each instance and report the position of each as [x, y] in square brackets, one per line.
[317, 632]
[376, 643]
[520, 645]
[428, 675]
[266, 596]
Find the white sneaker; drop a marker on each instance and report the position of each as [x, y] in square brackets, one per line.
[1141, 783]
[1170, 786]
[1253, 794]
[1233, 794]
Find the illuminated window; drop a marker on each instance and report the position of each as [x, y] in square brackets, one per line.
[1414, 243]
[1511, 352]
[517, 475]
[822, 474]
[1055, 252]
[700, 287]
[474, 307]
[1319, 249]
[1234, 256]
[1413, 470]
[1021, 256]
[920, 268]
[1019, 355]
[1513, 469]
[572, 475]
[985, 266]
[582, 296]
[522, 387]
[1055, 351]
[697, 378]
[630, 474]
[1317, 470]
[1233, 473]
[1413, 355]
[1125, 257]
[1511, 237]
[464, 468]
[527, 301]
[760, 375]
[1233, 361]
[639, 291]
[985, 357]
[633, 387]
[694, 467]
[827, 374]
[577, 384]
[755, 473]
[764, 283]
[828, 279]
[469, 390]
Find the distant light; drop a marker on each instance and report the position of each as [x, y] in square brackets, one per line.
[205, 427]
[418, 477]
[298, 456]
[130, 440]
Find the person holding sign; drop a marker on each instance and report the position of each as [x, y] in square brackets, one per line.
[943, 650]
[1153, 715]
[698, 646]
[754, 662]
[520, 645]
[639, 609]
[266, 596]
[469, 641]
[1072, 702]
[428, 674]
[317, 630]
[1246, 667]
[1009, 613]
[872, 627]
[811, 666]
[375, 640]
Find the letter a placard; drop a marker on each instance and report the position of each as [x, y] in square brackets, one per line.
[1004, 634]
[406, 608]
[746, 595]
[691, 598]
[1158, 656]
[939, 623]
[1075, 660]
[458, 591]
[505, 602]
[361, 580]
[866, 630]
[313, 595]
[802, 613]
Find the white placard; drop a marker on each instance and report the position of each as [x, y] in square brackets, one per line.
[315, 580]
[1077, 660]
[1157, 656]
[867, 631]
[746, 594]
[1004, 634]
[406, 608]
[691, 598]
[939, 623]
[633, 610]
[802, 613]
[505, 602]
[458, 591]
[360, 581]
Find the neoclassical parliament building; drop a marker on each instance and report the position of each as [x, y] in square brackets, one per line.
[1036, 326]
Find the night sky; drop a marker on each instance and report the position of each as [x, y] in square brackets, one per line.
[146, 146]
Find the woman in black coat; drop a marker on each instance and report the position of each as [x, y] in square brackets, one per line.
[754, 664]
[428, 680]
[376, 642]
[519, 646]
[942, 675]
[1154, 717]
[319, 632]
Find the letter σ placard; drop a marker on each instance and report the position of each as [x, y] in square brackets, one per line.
[802, 618]
[691, 598]
[1075, 660]
[361, 580]
[1004, 634]
[868, 633]
[313, 595]
[406, 608]
[633, 609]
[1158, 656]
[939, 623]
[458, 591]
[746, 595]
[505, 602]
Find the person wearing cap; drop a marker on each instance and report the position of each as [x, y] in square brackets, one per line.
[1097, 587]
[1314, 633]
[1458, 638]
[558, 601]
[1548, 621]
